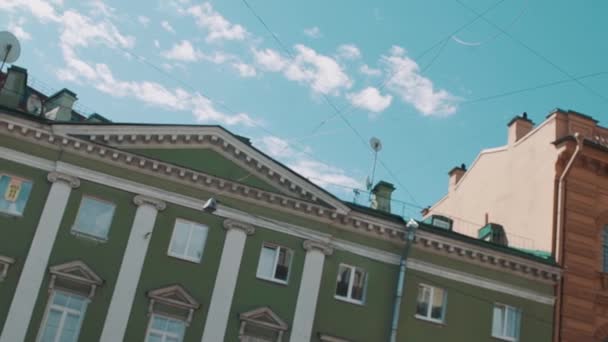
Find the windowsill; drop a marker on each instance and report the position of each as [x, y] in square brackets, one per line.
[11, 214]
[183, 258]
[86, 236]
[271, 280]
[430, 320]
[348, 300]
[504, 338]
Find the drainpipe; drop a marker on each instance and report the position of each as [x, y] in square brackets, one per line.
[412, 225]
[559, 232]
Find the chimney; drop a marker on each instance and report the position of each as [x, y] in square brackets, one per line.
[455, 175]
[381, 199]
[519, 126]
[58, 106]
[13, 90]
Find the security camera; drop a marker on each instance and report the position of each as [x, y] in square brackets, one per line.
[210, 206]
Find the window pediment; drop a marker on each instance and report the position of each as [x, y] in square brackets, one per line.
[76, 276]
[174, 301]
[5, 263]
[261, 324]
[264, 317]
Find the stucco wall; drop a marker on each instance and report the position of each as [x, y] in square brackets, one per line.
[514, 185]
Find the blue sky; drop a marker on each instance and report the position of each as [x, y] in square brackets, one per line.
[408, 72]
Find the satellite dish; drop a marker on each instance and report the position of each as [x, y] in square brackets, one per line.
[375, 144]
[33, 104]
[10, 49]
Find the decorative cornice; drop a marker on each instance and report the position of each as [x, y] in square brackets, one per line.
[486, 257]
[72, 181]
[234, 224]
[140, 200]
[319, 246]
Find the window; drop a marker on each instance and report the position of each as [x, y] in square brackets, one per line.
[94, 218]
[5, 263]
[505, 323]
[14, 193]
[165, 329]
[63, 317]
[431, 303]
[351, 283]
[605, 249]
[188, 240]
[274, 263]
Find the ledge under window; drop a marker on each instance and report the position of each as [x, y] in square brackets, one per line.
[349, 300]
[430, 320]
[86, 236]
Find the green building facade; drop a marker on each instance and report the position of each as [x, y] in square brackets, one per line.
[132, 232]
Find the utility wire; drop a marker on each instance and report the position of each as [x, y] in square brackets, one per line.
[535, 52]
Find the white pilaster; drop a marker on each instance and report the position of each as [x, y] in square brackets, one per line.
[130, 269]
[34, 269]
[225, 282]
[306, 304]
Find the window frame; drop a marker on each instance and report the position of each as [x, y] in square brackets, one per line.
[191, 225]
[88, 235]
[275, 263]
[503, 336]
[348, 297]
[444, 304]
[21, 214]
[164, 334]
[64, 311]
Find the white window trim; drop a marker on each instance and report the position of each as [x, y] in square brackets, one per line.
[275, 263]
[9, 213]
[350, 286]
[64, 311]
[428, 317]
[164, 334]
[80, 233]
[506, 308]
[192, 225]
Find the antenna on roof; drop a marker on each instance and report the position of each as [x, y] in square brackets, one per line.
[10, 49]
[376, 146]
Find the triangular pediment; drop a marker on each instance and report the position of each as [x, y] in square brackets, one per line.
[77, 271]
[264, 317]
[174, 295]
[209, 149]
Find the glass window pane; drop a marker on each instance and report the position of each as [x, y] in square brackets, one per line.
[94, 217]
[497, 321]
[75, 302]
[197, 242]
[52, 324]
[14, 193]
[60, 298]
[153, 337]
[180, 238]
[438, 302]
[358, 284]
[424, 298]
[159, 323]
[266, 265]
[343, 281]
[70, 327]
[511, 322]
[282, 270]
[176, 327]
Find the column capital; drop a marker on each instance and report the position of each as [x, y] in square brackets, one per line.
[318, 245]
[72, 181]
[234, 224]
[140, 200]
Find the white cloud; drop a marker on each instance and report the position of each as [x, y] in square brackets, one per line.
[244, 69]
[16, 27]
[270, 59]
[182, 51]
[313, 32]
[218, 28]
[323, 174]
[370, 99]
[367, 70]
[143, 20]
[165, 25]
[40, 9]
[100, 8]
[349, 51]
[415, 89]
[321, 73]
[156, 43]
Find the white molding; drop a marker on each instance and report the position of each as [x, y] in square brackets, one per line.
[478, 281]
[267, 223]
